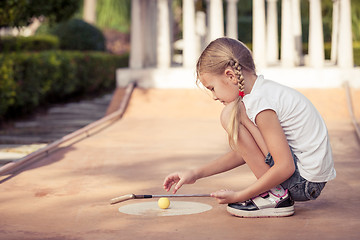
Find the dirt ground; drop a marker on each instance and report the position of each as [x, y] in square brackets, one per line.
[66, 194]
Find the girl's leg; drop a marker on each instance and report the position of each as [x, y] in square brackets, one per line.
[248, 147]
[274, 203]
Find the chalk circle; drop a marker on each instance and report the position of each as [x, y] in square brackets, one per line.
[176, 208]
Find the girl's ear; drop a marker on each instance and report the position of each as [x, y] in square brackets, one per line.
[229, 73]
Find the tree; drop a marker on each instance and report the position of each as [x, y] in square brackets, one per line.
[114, 14]
[18, 13]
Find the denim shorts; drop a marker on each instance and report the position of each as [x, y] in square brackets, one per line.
[299, 188]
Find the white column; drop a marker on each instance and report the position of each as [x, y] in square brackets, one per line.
[216, 20]
[316, 38]
[259, 35]
[207, 40]
[335, 31]
[201, 30]
[90, 11]
[297, 32]
[163, 48]
[287, 39]
[136, 36]
[171, 30]
[189, 38]
[149, 12]
[346, 58]
[272, 46]
[232, 19]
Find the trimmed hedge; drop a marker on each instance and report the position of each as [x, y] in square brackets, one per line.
[32, 43]
[29, 80]
[76, 34]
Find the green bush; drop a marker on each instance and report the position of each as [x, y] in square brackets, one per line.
[29, 80]
[7, 85]
[76, 34]
[356, 50]
[33, 43]
[245, 28]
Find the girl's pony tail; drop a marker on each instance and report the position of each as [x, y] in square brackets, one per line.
[234, 124]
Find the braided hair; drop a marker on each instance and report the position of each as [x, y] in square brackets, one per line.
[234, 64]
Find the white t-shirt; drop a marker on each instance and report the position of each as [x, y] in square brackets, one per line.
[303, 126]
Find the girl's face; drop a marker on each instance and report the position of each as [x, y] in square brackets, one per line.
[223, 87]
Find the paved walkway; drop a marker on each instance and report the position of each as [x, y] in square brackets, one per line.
[66, 194]
[33, 133]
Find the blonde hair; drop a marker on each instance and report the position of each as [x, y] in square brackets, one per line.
[217, 56]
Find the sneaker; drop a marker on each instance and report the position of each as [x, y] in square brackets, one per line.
[264, 205]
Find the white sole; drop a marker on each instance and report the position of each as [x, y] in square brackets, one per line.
[267, 212]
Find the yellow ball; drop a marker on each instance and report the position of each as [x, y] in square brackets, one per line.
[163, 203]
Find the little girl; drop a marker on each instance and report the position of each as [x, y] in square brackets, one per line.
[274, 129]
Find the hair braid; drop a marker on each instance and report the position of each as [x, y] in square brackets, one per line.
[238, 73]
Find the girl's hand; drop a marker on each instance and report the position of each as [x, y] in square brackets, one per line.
[179, 178]
[225, 196]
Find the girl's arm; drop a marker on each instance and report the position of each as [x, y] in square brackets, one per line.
[227, 162]
[275, 139]
[224, 163]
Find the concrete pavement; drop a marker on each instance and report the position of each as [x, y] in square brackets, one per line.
[66, 194]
